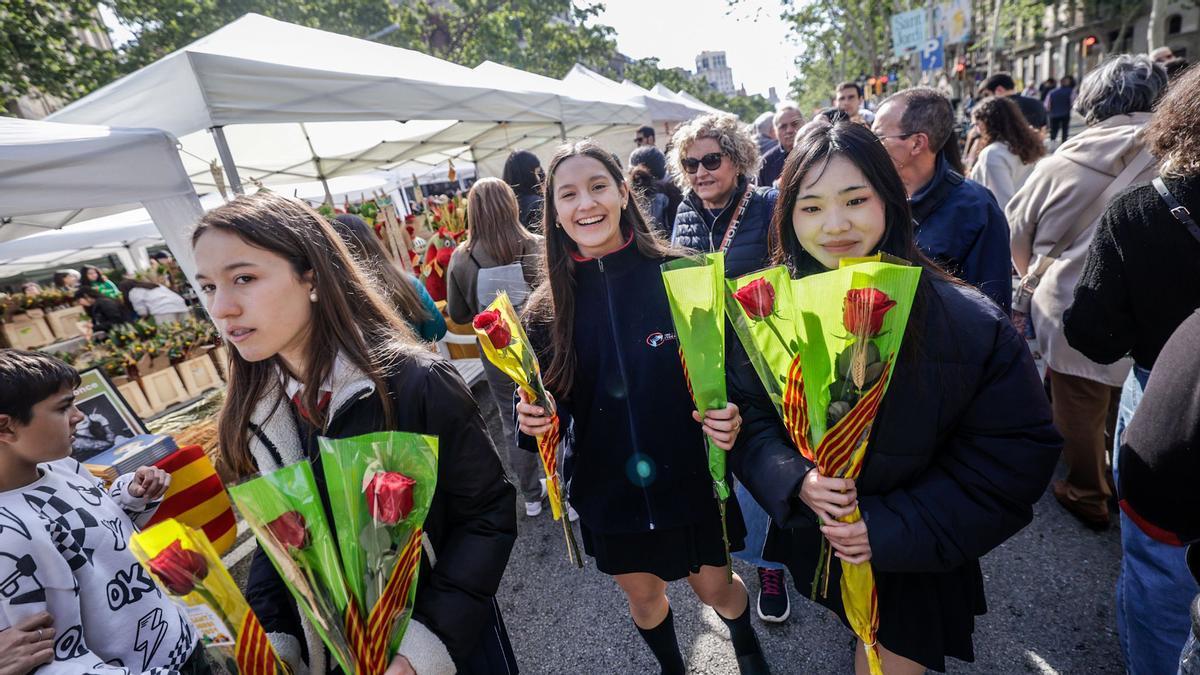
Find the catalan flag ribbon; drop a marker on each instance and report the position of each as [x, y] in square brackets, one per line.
[507, 347]
[825, 347]
[197, 497]
[184, 562]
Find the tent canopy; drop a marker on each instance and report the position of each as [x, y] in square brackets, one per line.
[661, 110]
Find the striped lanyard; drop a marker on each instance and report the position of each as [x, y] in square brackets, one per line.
[737, 219]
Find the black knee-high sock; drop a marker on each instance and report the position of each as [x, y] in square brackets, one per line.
[741, 632]
[665, 645]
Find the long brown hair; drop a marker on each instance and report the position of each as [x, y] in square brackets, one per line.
[552, 303]
[350, 317]
[368, 252]
[1004, 123]
[495, 220]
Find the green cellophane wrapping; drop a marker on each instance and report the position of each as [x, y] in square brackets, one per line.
[371, 550]
[313, 573]
[772, 342]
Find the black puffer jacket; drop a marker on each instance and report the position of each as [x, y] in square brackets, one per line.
[696, 229]
[638, 460]
[471, 523]
[962, 447]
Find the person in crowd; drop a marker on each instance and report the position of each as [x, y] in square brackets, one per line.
[58, 557]
[67, 280]
[499, 256]
[101, 309]
[636, 470]
[1159, 463]
[27, 645]
[318, 351]
[1175, 67]
[658, 196]
[788, 121]
[1046, 87]
[1032, 109]
[1140, 280]
[1011, 148]
[849, 99]
[31, 288]
[764, 133]
[523, 173]
[150, 300]
[958, 222]
[963, 444]
[644, 137]
[1058, 108]
[1115, 100]
[1162, 54]
[94, 278]
[713, 218]
[405, 291]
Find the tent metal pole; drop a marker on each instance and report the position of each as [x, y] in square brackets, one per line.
[231, 173]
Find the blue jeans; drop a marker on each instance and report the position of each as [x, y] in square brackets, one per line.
[757, 522]
[1155, 588]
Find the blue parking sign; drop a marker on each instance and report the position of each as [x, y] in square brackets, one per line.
[932, 54]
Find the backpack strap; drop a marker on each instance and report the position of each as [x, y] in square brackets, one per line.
[1179, 211]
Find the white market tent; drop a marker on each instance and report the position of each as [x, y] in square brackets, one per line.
[683, 97]
[54, 174]
[664, 113]
[279, 102]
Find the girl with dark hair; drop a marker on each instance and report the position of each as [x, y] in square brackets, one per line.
[523, 173]
[1010, 147]
[406, 293]
[317, 351]
[94, 278]
[636, 471]
[151, 300]
[962, 446]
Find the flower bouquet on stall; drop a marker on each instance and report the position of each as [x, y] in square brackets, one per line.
[447, 217]
[825, 349]
[185, 564]
[695, 291]
[507, 347]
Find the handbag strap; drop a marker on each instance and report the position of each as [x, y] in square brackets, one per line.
[1178, 210]
[1132, 170]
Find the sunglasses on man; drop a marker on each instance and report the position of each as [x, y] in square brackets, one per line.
[640, 140]
[711, 161]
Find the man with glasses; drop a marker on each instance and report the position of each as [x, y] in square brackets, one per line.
[644, 137]
[958, 223]
[788, 121]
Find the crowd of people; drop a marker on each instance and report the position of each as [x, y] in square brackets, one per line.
[1087, 258]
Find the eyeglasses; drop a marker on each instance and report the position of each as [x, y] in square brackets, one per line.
[639, 140]
[711, 161]
[900, 136]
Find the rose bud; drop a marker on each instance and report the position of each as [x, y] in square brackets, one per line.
[389, 497]
[290, 530]
[863, 310]
[492, 324]
[757, 298]
[178, 568]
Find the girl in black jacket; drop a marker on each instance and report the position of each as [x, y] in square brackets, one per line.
[962, 446]
[318, 352]
[636, 471]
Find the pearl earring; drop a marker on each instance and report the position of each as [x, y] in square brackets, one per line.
[312, 296]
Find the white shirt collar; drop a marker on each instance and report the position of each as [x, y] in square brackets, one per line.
[342, 368]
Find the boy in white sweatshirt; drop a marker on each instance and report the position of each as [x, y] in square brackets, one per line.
[64, 540]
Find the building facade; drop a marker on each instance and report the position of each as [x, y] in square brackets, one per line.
[711, 67]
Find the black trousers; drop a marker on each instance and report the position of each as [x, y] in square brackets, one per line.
[1060, 123]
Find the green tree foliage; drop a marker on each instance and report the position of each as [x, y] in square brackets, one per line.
[41, 49]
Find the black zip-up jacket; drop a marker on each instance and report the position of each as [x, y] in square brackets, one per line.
[471, 524]
[695, 229]
[638, 459]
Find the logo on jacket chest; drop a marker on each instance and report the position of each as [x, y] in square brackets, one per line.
[658, 339]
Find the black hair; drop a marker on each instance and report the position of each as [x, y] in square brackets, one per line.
[835, 115]
[652, 158]
[87, 292]
[999, 80]
[160, 255]
[847, 85]
[523, 173]
[28, 378]
[647, 131]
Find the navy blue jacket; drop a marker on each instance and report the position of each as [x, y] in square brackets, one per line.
[962, 447]
[962, 228]
[637, 461]
[695, 229]
[772, 166]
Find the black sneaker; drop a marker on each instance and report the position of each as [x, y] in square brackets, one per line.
[773, 604]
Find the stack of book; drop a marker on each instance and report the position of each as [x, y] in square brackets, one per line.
[128, 456]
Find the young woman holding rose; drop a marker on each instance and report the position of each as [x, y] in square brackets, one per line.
[636, 468]
[317, 351]
[963, 443]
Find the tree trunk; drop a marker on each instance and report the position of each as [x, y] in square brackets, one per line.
[1154, 32]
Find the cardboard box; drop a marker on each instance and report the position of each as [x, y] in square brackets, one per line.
[135, 397]
[220, 356]
[28, 334]
[163, 389]
[199, 374]
[64, 323]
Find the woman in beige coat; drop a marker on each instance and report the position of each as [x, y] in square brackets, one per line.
[1115, 101]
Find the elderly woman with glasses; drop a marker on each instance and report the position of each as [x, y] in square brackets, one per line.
[713, 160]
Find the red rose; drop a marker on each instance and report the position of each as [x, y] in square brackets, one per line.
[450, 206]
[490, 322]
[757, 298]
[390, 497]
[290, 530]
[863, 310]
[410, 219]
[443, 256]
[178, 568]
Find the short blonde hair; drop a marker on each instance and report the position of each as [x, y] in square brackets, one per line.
[736, 141]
